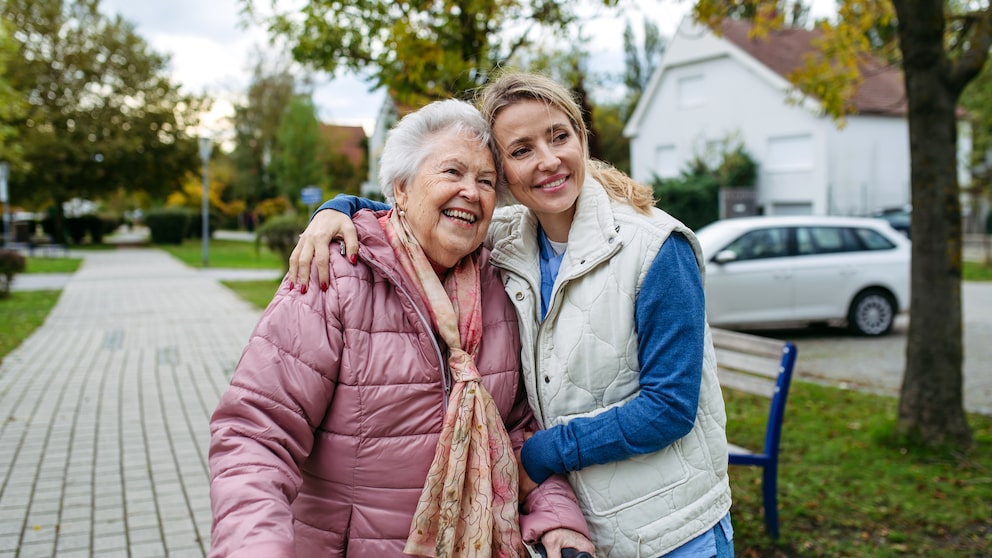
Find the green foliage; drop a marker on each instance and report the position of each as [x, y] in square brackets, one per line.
[11, 263]
[692, 198]
[296, 162]
[104, 115]
[737, 168]
[91, 226]
[167, 225]
[641, 61]
[280, 235]
[12, 102]
[419, 51]
[256, 125]
[608, 126]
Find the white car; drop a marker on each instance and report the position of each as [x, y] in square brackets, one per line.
[805, 269]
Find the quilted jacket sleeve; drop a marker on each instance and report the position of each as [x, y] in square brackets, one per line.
[263, 427]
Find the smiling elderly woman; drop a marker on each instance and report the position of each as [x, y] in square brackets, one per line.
[374, 417]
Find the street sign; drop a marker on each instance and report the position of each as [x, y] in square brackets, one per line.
[311, 195]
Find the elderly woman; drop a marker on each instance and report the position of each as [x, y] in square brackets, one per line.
[374, 418]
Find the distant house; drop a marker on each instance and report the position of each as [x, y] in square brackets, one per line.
[708, 89]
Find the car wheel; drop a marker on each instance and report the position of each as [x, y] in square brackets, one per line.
[872, 313]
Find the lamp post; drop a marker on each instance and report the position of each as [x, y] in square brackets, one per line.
[205, 146]
[4, 170]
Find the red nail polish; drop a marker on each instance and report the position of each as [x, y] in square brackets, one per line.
[353, 259]
[303, 289]
[323, 286]
[291, 285]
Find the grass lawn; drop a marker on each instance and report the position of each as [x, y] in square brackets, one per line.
[975, 271]
[258, 293]
[845, 489]
[226, 253]
[52, 265]
[21, 314]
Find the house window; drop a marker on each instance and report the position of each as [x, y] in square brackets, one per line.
[789, 153]
[690, 91]
[665, 163]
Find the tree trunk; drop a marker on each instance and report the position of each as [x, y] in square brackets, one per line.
[931, 404]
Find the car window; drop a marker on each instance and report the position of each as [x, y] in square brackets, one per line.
[761, 243]
[831, 240]
[873, 240]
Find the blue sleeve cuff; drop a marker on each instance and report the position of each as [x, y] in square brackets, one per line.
[540, 457]
[350, 205]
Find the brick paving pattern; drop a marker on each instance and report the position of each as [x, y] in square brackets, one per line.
[104, 411]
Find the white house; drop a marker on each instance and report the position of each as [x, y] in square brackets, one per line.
[708, 89]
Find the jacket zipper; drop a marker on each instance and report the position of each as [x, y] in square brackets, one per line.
[446, 380]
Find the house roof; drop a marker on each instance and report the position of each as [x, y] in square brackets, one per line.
[348, 140]
[882, 91]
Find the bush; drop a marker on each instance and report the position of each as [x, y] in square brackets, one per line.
[692, 199]
[11, 263]
[280, 234]
[168, 225]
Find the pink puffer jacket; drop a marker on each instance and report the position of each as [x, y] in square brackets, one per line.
[322, 442]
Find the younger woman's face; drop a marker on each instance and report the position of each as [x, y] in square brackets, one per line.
[544, 161]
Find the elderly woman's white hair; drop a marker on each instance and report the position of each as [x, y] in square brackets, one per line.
[408, 143]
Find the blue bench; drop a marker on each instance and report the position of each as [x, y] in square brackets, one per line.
[760, 366]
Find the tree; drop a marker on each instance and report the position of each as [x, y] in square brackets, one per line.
[101, 115]
[296, 162]
[941, 46]
[256, 125]
[11, 101]
[419, 51]
[641, 61]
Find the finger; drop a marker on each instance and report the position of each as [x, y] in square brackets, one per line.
[294, 261]
[322, 256]
[350, 236]
[305, 249]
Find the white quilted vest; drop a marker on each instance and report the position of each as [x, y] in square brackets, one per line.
[583, 360]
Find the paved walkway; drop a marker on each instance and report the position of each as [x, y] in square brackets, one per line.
[104, 411]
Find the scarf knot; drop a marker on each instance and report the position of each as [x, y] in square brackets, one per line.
[463, 367]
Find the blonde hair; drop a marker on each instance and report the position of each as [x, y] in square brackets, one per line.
[512, 87]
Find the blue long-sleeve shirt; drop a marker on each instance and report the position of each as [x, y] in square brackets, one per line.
[670, 321]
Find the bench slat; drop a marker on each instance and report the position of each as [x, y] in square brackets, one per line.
[746, 343]
[746, 383]
[768, 368]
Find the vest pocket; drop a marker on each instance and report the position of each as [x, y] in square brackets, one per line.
[611, 487]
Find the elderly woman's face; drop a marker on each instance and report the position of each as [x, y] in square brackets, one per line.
[450, 201]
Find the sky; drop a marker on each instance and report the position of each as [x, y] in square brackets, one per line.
[211, 51]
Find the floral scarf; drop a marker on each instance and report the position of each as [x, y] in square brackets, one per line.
[469, 503]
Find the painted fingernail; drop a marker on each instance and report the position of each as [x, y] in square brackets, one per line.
[291, 285]
[303, 289]
[353, 259]
[323, 286]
